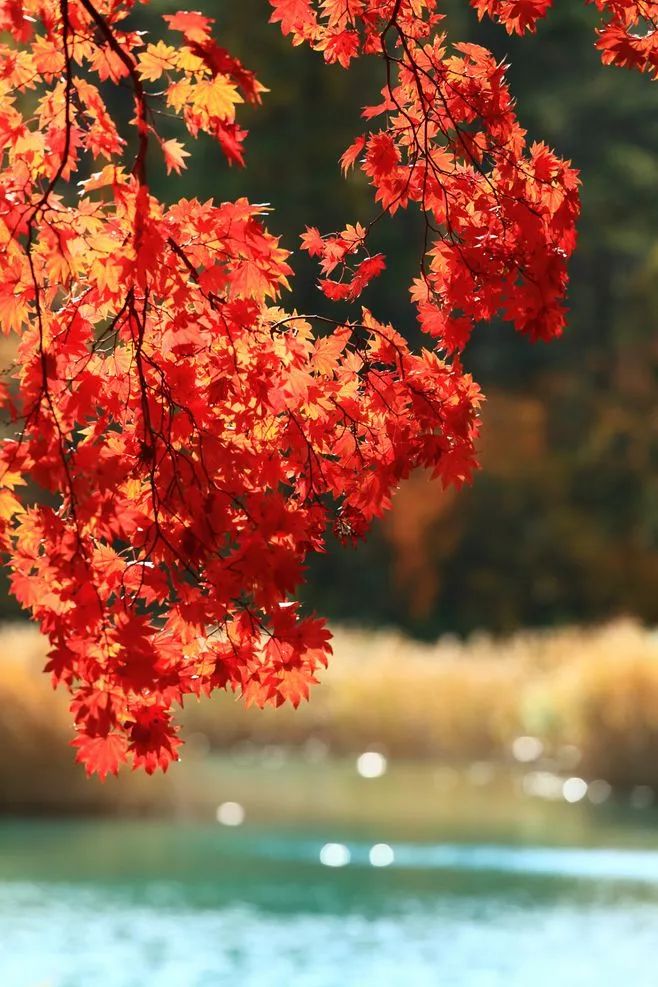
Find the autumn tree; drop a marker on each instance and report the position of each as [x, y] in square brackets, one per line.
[179, 443]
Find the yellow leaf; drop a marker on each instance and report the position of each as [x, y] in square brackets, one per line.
[9, 505]
[217, 97]
[155, 60]
[174, 155]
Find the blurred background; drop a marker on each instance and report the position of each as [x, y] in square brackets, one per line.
[468, 799]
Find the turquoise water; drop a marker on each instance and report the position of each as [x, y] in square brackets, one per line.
[135, 904]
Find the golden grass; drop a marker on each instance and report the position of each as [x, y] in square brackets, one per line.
[592, 689]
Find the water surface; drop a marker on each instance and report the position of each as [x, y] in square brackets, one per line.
[480, 895]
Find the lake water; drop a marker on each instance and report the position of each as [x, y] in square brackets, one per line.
[111, 903]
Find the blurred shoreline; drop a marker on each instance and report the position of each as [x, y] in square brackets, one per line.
[544, 710]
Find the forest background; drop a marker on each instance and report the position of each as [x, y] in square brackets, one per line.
[561, 524]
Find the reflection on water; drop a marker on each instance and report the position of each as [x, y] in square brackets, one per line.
[116, 904]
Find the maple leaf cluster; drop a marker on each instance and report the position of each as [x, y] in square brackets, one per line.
[500, 215]
[189, 442]
[178, 442]
[627, 37]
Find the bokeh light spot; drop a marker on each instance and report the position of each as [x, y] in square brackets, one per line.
[334, 855]
[371, 764]
[230, 814]
[381, 855]
[574, 789]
